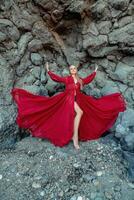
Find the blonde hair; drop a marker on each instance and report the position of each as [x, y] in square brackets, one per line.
[78, 78]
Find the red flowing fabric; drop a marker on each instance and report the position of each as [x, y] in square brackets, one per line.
[52, 117]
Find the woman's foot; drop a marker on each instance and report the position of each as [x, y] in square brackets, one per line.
[76, 146]
[75, 142]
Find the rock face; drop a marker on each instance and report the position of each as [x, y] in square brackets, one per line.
[66, 32]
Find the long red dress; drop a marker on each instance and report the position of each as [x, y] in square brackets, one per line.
[53, 117]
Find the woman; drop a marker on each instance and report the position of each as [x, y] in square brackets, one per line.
[78, 110]
[70, 114]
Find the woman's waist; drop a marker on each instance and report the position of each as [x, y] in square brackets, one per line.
[72, 89]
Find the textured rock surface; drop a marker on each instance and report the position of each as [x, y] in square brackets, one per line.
[66, 32]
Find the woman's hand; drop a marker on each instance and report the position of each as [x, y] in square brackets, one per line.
[47, 66]
[96, 69]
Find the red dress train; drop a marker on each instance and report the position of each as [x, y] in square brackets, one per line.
[53, 117]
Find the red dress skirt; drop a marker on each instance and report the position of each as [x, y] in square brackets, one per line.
[52, 117]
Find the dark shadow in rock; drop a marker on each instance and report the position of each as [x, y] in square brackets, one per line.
[108, 137]
[126, 146]
[71, 15]
[130, 159]
[105, 133]
[23, 133]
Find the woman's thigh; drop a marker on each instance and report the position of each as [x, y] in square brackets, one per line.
[77, 108]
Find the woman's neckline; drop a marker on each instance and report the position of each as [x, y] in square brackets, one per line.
[74, 80]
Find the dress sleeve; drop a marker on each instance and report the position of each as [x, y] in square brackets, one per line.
[89, 78]
[56, 77]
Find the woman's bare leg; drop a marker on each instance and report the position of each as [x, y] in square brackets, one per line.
[78, 116]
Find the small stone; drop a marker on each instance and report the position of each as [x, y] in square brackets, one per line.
[76, 165]
[73, 198]
[42, 193]
[36, 185]
[93, 195]
[38, 177]
[98, 198]
[80, 198]
[99, 148]
[74, 187]
[0, 176]
[99, 173]
[108, 195]
[131, 185]
[61, 193]
[87, 178]
[95, 182]
[36, 59]
[17, 174]
[117, 188]
[35, 45]
[67, 189]
[50, 157]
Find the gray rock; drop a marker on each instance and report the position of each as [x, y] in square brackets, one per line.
[25, 64]
[131, 174]
[3, 37]
[121, 131]
[104, 27]
[45, 4]
[129, 142]
[6, 81]
[36, 185]
[129, 60]
[35, 45]
[93, 41]
[124, 73]
[100, 10]
[96, 46]
[76, 6]
[22, 18]
[100, 79]
[119, 4]
[22, 45]
[36, 59]
[73, 198]
[9, 29]
[92, 29]
[129, 97]
[41, 32]
[122, 35]
[109, 88]
[8, 129]
[129, 156]
[127, 118]
[5, 5]
[125, 20]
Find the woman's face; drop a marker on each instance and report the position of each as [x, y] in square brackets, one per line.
[72, 69]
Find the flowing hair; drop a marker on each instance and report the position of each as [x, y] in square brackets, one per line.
[79, 80]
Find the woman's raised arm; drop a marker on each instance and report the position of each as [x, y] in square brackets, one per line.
[90, 77]
[54, 76]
